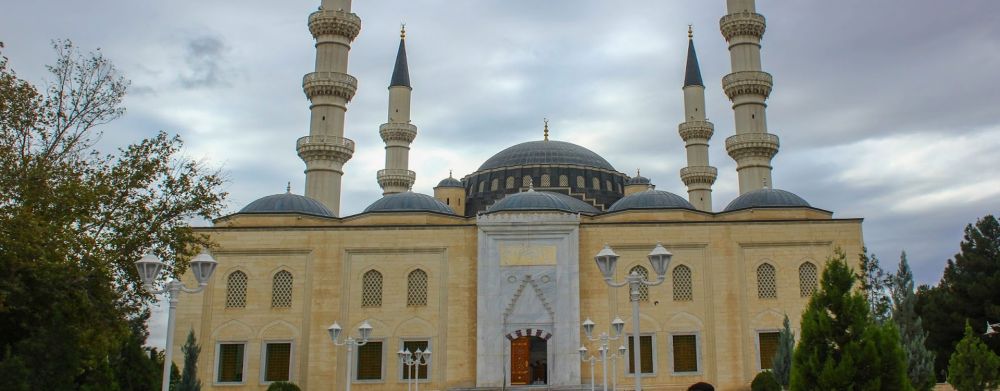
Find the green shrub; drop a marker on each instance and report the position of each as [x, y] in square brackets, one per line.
[283, 386]
[765, 381]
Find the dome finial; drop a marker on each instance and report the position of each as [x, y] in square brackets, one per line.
[288, 189]
[638, 172]
[449, 173]
[531, 184]
[402, 31]
[546, 120]
[690, 32]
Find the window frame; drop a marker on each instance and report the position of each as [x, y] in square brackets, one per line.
[756, 342]
[263, 360]
[357, 361]
[216, 373]
[430, 365]
[427, 289]
[697, 354]
[652, 344]
[774, 282]
[227, 293]
[291, 289]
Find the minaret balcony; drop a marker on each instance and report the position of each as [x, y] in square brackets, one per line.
[745, 24]
[747, 83]
[397, 131]
[396, 178]
[329, 84]
[696, 130]
[329, 22]
[331, 148]
[744, 145]
[701, 175]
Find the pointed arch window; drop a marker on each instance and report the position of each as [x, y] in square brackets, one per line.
[767, 287]
[495, 184]
[371, 289]
[510, 182]
[807, 279]
[563, 181]
[281, 290]
[643, 288]
[682, 284]
[416, 289]
[236, 290]
[546, 180]
[526, 181]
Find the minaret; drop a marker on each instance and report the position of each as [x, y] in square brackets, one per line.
[329, 89]
[698, 176]
[748, 87]
[397, 132]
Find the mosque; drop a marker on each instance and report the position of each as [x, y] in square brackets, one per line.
[494, 273]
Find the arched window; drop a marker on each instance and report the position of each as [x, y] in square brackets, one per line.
[767, 287]
[482, 186]
[526, 181]
[281, 290]
[495, 184]
[807, 279]
[371, 289]
[580, 182]
[236, 290]
[416, 289]
[643, 289]
[607, 185]
[563, 181]
[510, 182]
[682, 284]
[546, 180]
[596, 182]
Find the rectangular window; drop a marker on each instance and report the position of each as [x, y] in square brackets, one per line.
[646, 353]
[767, 345]
[231, 362]
[370, 361]
[685, 353]
[417, 371]
[277, 361]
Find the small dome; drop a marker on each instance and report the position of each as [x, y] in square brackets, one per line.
[651, 199]
[450, 182]
[767, 198]
[546, 152]
[287, 203]
[638, 180]
[409, 202]
[542, 200]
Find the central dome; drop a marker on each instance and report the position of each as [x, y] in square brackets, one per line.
[546, 152]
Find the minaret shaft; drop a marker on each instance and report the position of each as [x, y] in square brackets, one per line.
[748, 87]
[398, 133]
[696, 131]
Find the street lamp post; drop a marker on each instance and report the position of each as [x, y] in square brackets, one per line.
[659, 259]
[412, 363]
[591, 359]
[364, 331]
[203, 265]
[588, 328]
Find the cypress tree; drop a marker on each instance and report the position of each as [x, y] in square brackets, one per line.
[782, 364]
[189, 378]
[919, 360]
[973, 367]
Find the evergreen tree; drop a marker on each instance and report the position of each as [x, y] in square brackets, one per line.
[973, 367]
[919, 360]
[283, 386]
[189, 377]
[782, 364]
[841, 347]
[876, 286]
[765, 381]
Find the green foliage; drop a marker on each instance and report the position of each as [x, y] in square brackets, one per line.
[973, 367]
[765, 381]
[73, 221]
[189, 378]
[283, 386]
[841, 347]
[876, 286]
[782, 364]
[920, 361]
[967, 292]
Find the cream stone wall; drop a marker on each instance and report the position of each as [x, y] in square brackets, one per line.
[327, 258]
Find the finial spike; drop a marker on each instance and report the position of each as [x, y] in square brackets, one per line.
[638, 172]
[449, 173]
[546, 120]
[402, 31]
[531, 184]
[690, 32]
[288, 189]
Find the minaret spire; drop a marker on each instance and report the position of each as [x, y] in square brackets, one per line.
[398, 133]
[329, 89]
[748, 87]
[545, 132]
[698, 176]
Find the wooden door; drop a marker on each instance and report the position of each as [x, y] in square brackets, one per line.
[520, 357]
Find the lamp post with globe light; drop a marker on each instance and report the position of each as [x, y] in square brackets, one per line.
[203, 265]
[588, 328]
[412, 362]
[659, 259]
[364, 331]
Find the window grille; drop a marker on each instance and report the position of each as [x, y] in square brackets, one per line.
[685, 353]
[495, 184]
[416, 288]
[370, 361]
[236, 290]
[482, 186]
[580, 183]
[596, 183]
[371, 289]
[526, 181]
[421, 370]
[281, 290]
[682, 284]
[277, 361]
[767, 344]
[510, 182]
[646, 353]
[607, 185]
[807, 279]
[563, 181]
[643, 288]
[230, 368]
[767, 287]
[546, 180]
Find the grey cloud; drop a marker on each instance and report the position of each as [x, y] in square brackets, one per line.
[206, 58]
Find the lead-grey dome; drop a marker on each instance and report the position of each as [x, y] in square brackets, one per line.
[546, 152]
[450, 182]
[409, 202]
[767, 198]
[542, 200]
[651, 199]
[638, 180]
[287, 203]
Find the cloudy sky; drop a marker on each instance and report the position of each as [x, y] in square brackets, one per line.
[887, 110]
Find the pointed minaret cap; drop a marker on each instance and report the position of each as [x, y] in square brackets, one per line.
[401, 73]
[692, 75]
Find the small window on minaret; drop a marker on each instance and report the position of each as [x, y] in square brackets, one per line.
[447, 201]
[323, 119]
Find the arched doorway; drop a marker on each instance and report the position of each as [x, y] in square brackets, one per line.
[529, 361]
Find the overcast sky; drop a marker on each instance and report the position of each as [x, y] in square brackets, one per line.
[887, 110]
